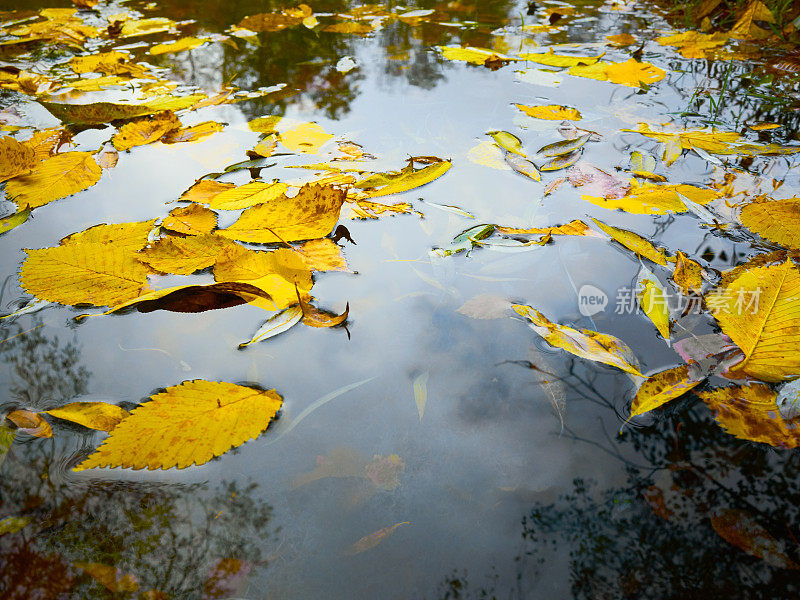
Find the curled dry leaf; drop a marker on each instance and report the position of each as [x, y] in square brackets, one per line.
[187, 424]
[314, 317]
[30, 422]
[591, 345]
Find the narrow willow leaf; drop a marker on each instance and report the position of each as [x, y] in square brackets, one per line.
[507, 141]
[275, 325]
[8, 223]
[523, 166]
[634, 242]
[653, 300]
[420, 386]
[373, 539]
[565, 146]
[563, 161]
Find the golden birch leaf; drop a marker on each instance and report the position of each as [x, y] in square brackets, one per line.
[15, 158]
[693, 44]
[631, 73]
[145, 130]
[551, 59]
[191, 220]
[44, 142]
[194, 133]
[30, 422]
[130, 237]
[149, 26]
[111, 577]
[204, 191]
[635, 243]
[312, 213]
[264, 124]
[688, 274]
[373, 539]
[186, 424]
[83, 273]
[184, 255]
[659, 388]
[576, 227]
[181, 45]
[322, 255]
[307, 138]
[655, 199]
[741, 529]
[277, 272]
[55, 178]
[408, 180]
[552, 112]
[746, 28]
[751, 413]
[775, 220]
[591, 345]
[249, 194]
[94, 415]
[759, 309]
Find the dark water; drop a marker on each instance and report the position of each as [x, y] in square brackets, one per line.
[512, 484]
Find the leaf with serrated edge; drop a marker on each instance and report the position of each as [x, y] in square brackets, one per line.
[247, 195]
[774, 220]
[55, 178]
[183, 256]
[186, 424]
[94, 415]
[191, 220]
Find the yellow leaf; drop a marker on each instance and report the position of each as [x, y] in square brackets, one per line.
[407, 180]
[109, 63]
[187, 43]
[131, 237]
[184, 255]
[314, 317]
[278, 323]
[758, 307]
[269, 22]
[249, 194]
[662, 387]
[55, 178]
[145, 130]
[507, 141]
[187, 424]
[30, 422]
[191, 220]
[420, 386]
[576, 227]
[622, 39]
[751, 413]
[15, 158]
[553, 112]
[277, 272]
[322, 255]
[105, 112]
[264, 124]
[654, 199]
[111, 577]
[145, 26]
[687, 274]
[94, 415]
[763, 126]
[775, 220]
[373, 539]
[350, 27]
[560, 60]
[653, 300]
[364, 209]
[306, 138]
[195, 133]
[585, 344]
[631, 73]
[8, 223]
[741, 529]
[312, 213]
[204, 190]
[693, 44]
[635, 243]
[745, 28]
[475, 56]
[44, 142]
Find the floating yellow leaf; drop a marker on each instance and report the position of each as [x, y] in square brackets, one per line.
[576, 227]
[105, 112]
[322, 255]
[693, 44]
[311, 213]
[475, 56]
[763, 126]
[187, 424]
[507, 141]
[591, 345]
[551, 59]
[194, 133]
[635, 242]
[109, 63]
[622, 39]
[314, 317]
[364, 209]
[306, 137]
[758, 308]
[746, 28]
[249, 194]
[145, 130]
[653, 300]
[55, 178]
[15, 158]
[191, 220]
[742, 530]
[751, 413]
[278, 323]
[45, 142]
[139, 27]
[184, 255]
[662, 387]
[373, 539]
[688, 274]
[186, 43]
[552, 112]
[131, 237]
[30, 422]
[655, 199]
[631, 73]
[775, 220]
[94, 415]
[203, 191]
[404, 180]
[8, 223]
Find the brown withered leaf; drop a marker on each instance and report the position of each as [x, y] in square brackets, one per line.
[741, 529]
[315, 317]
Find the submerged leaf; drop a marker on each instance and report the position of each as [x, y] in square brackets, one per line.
[591, 345]
[742, 530]
[373, 539]
[634, 242]
[111, 577]
[94, 415]
[186, 424]
[420, 386]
